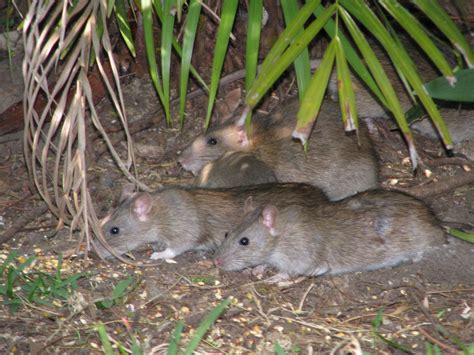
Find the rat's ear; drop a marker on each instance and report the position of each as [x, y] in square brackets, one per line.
[269, 215]
[128, 191]
[249, 206]
[242, 137]
[142, 206]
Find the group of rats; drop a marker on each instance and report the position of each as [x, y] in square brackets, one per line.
[259, 199]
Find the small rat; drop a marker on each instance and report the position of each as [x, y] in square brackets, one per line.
[370, 230]
[185, 218]
[235, 169]
[335, 162]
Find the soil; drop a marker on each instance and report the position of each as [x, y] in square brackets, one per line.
[428, 302]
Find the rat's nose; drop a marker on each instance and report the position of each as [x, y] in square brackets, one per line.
[218, 262]
[183, 162]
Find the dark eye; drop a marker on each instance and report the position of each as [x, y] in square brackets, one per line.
[211, 141]
[226, 235]
[244, 241]
[114, 230]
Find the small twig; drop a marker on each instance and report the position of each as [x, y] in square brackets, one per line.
[303, 299]
[214, 15]
[319, 327]
[440, 187]
[450, 291]
[193, 284]
[28, 304]
[449, 161]
[438, 327]
[259, 305]
[371, 315]
[438, 342]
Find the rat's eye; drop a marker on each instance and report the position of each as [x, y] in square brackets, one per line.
[226, 235]
[211, 141]
[244, 241]
[114, 230]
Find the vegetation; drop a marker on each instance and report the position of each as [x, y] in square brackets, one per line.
[75, 36]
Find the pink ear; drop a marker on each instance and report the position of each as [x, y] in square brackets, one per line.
[269, 214]
[142, 206]
[248, 206]
[127, 192]
[242, 137]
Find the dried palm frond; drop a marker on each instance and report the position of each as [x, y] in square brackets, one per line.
[61, 40]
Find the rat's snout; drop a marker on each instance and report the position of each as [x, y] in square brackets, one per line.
[188, 164]
[218, 262]
[181, 161]
[184, 162]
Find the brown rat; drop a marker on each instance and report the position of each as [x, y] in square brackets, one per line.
[183, 218]
[334, 162]
[371, 230]
[235, 169]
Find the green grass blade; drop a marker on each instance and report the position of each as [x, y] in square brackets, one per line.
[59, 268]
[192, 20]
[178, 50]
[352, 57]
[346, 93]
[302, 65]
[121, 287]
[179, 9]
[136, 349]
[205, 325]
[166, 40]
[311, 102]
[441, 19]
[266, 78]
[107, 346]
[413, 27]
[376, 69]
[463, 91]
[71, 280]
[376, 323]
[393, 104]
[286, 37]
[279, 350]
[32, 287]
[10, 257]
[110, 7]
[124, 27]
[229, 9]
[254, 26]
[467, 237]
[403, 62]
[146, 9]
[175, 338]
[11, 277]
[431, 349]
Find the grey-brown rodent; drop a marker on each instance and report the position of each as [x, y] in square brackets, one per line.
[334, 162]
[371, 230]
[235, 169]
[183, 218]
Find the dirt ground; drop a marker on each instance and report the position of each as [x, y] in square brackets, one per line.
[429, 301]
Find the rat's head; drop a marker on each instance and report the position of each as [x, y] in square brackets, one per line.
[210, 146]
[131, 224]
[251, 243]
